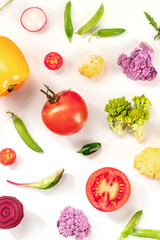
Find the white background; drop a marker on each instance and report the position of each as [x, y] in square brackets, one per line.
[42, 207]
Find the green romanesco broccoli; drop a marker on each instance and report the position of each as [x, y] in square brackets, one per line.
[122, 117]
[118, 109]
[141, 102]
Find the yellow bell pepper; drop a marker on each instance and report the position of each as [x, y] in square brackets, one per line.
[14, 69]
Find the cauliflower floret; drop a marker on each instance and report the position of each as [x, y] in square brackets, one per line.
[92, 67]
[73, 223]
[148, 162]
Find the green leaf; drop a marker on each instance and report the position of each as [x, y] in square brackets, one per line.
[45, 183]
[151, 20]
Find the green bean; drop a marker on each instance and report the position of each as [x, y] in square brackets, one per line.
[21, 129]
[108, 32]
[92, 22]
[147, 233]
[68, 21]
[131, 225]
[90, 148]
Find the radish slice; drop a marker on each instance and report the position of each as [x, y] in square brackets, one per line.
[33, 19]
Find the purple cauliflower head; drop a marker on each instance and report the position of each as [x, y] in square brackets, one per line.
[73, 222]
[138, 66]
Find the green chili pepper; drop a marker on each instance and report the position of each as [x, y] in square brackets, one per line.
[68, 21]
[131, 225]
[90, 148]
[21, 129]
[147, 233]
[92, 22]
[108, 32]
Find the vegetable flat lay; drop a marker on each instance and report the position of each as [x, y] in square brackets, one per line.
[79, 120]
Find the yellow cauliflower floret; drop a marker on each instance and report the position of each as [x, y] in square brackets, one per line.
[148, 162]
[92, 67]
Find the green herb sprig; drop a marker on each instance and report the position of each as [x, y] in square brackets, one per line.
[5, 5]
[154, 24]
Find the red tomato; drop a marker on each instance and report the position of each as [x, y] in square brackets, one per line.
[108, 189]
[53, 61]
[67, 115]
[7, 156]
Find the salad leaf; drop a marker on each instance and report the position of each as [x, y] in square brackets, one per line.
[45, 183]
[153, 23]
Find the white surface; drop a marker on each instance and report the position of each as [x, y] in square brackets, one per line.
[42, 208]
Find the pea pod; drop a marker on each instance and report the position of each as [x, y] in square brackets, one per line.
[92, 22]
[24, 134]
[147, 233]
[90, 148]
[131, 225]
[108, 32]
[68, 21]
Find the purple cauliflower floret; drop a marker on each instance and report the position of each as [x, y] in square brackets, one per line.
[73, 222]
[138, 66]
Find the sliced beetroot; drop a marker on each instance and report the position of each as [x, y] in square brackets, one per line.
[11, 212]
[33, 19]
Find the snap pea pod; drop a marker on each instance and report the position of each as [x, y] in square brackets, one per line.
[92, 22]
[21, 129]
[131, 225]
[90, 148]
[147, 233]
[107, 32]
[68, 21]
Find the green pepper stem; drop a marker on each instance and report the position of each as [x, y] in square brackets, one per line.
[5, 5]
[79, 151]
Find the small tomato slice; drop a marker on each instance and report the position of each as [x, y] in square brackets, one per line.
[108, 189]
[7, 156]
[53, 60]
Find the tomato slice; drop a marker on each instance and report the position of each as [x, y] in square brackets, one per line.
[108, 189]
[53, 60]
[7, 156]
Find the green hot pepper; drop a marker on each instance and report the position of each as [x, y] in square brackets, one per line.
[68, 21]
[92, 22]
[107, 32]
[131, 225]
[90, 148]
[21, 129]
[147, 233]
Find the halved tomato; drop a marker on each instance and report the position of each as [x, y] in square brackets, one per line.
[108, 189]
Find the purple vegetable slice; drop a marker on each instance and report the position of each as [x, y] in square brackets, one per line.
[11, 212]
[45, 183]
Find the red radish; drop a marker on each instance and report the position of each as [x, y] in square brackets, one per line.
[11, 212]
[33, 19]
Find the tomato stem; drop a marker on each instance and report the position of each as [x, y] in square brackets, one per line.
[53, 98]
